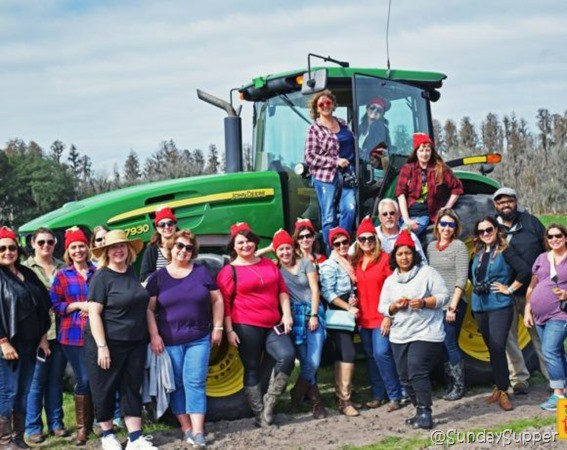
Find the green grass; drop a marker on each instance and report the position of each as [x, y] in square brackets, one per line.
[546, 219]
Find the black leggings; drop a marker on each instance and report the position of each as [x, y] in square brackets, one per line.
[494, 327]
[344, 345]
[254, 341]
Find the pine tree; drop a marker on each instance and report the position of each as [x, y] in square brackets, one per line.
[132, 172]
[213, 160]
[57, 149]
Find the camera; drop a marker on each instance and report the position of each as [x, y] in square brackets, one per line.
[482, 288]
[349, 179]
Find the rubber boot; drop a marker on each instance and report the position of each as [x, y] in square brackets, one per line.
[297, 393]
[276, 388]
[424, 419]
[448, 380]
[84, 417]
[458, 376]
[254, 397]
[6, 435]
[18, 429]
[343, 388]
[319, 411]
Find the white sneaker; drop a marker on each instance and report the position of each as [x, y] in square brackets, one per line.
[142, 443]
[110, 442]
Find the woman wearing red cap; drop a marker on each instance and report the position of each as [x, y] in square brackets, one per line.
[69, 297]
[371, 270]
[156, 255]
[305, 242]
[338, 288]
[254, 293]
[425, 185]
[373, 127]
[308, 333]
[414, 297]
[24, 321]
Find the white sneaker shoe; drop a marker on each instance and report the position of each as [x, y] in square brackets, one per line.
[142, 443]
[110, 442]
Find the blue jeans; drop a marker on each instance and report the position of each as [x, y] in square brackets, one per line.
[347, 206]
[422, 222]
[552, 335]
[76, 356]
[309, 354]
[380, 364]
[47, 391]
[15, 380]
[190, 366]
[452, 330]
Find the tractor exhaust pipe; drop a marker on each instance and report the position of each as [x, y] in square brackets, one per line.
[232, 131]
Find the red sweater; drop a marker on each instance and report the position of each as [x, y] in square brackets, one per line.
[369, 284]
[255, 298]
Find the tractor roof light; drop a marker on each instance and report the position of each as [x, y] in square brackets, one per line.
[299, 80]
[493, 158]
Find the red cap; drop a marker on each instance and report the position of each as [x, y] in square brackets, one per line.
[165, 212]
[300, 223]
[74, 234]
[281, 237]
[334, 232]
[6, 232]
[366, 226]
[421, 138]
[404, 238]
[238, 228]
[379, 149]
[382, 102]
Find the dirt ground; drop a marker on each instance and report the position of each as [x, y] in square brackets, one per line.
[301, 431]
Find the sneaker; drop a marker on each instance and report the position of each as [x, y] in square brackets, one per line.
[188, 437]
[197, 439]
[520, 388]
[110, 442]
[142, 443]
[376, 403]
[551, 403]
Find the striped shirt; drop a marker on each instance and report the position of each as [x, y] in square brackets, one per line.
[161, 260]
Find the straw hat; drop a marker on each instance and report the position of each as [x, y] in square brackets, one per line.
[117, 237]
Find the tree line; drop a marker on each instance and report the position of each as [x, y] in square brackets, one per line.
[34, 181]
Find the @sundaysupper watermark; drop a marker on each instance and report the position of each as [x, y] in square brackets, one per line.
[503, 438]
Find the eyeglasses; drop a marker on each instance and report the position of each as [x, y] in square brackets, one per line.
[365, 239]
[375, 108]
[324, 103]
[181, 246]
[99, 239]
[488, 230]
[169, 224]
[338, 244]
[305, 236]
[389, 213]
[42, 242]
[556, 236]
[443, 223]
[10, 248]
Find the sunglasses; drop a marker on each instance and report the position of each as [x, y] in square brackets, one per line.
[49, 242]
[324, 103]
[338, 244]
[556, 236]
[181, 246]
[365, 239]
[170, 224]
[443, 223]
[488, 230]
[99, 239]
[10, 248]
[389, 213]
[305, 236]
[375, 108]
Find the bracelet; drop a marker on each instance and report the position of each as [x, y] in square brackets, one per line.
[423, 303]
[4, 340]
[451, 309]
[218, 328]
[511, 290]
[230, 331]
[101, 346]
[313, 315]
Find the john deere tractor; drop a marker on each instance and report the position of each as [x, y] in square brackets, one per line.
[278, 190]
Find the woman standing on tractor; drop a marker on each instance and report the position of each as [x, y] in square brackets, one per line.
[373, 128]
[156, 255]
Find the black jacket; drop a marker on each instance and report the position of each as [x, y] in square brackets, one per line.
[149, 262]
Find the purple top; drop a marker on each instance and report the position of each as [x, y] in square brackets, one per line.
[183, 304]
[544, 302]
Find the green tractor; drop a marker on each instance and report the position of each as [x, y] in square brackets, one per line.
[277, 190]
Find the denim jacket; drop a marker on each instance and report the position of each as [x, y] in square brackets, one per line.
[498, 270]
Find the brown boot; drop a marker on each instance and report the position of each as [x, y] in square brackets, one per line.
[495, 396]
[297, 393]
[276, 388]
[319, 411]
[6, 435]
[343, 388]
[504, 401]
[18, 429]
[84, 417]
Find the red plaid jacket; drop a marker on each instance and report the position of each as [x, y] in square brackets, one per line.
[409, 184]
[322, 151]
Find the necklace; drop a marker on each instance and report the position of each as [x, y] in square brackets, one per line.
[442, 247]
[258, 274]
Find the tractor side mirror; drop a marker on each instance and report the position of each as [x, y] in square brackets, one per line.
[485, 169]
[314, 81]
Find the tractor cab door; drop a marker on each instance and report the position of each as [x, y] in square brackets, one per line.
[386, 114]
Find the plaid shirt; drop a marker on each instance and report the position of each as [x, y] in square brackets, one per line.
[69, 287]
[409, 184]
[322, 151]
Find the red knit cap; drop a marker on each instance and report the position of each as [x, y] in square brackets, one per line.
[404, 238]
[74, 234]
[303, 223]
[164, 212]
[281, 237]
[379, 150]
[421, 138]
[334, 232]
[238, 228]
[6, 232]
[382, 102]
[366, 226]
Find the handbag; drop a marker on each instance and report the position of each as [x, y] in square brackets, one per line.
[339, 319]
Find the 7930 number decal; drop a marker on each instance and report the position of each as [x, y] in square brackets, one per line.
[140, 229]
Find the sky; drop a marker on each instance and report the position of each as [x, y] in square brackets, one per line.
[111, 76]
